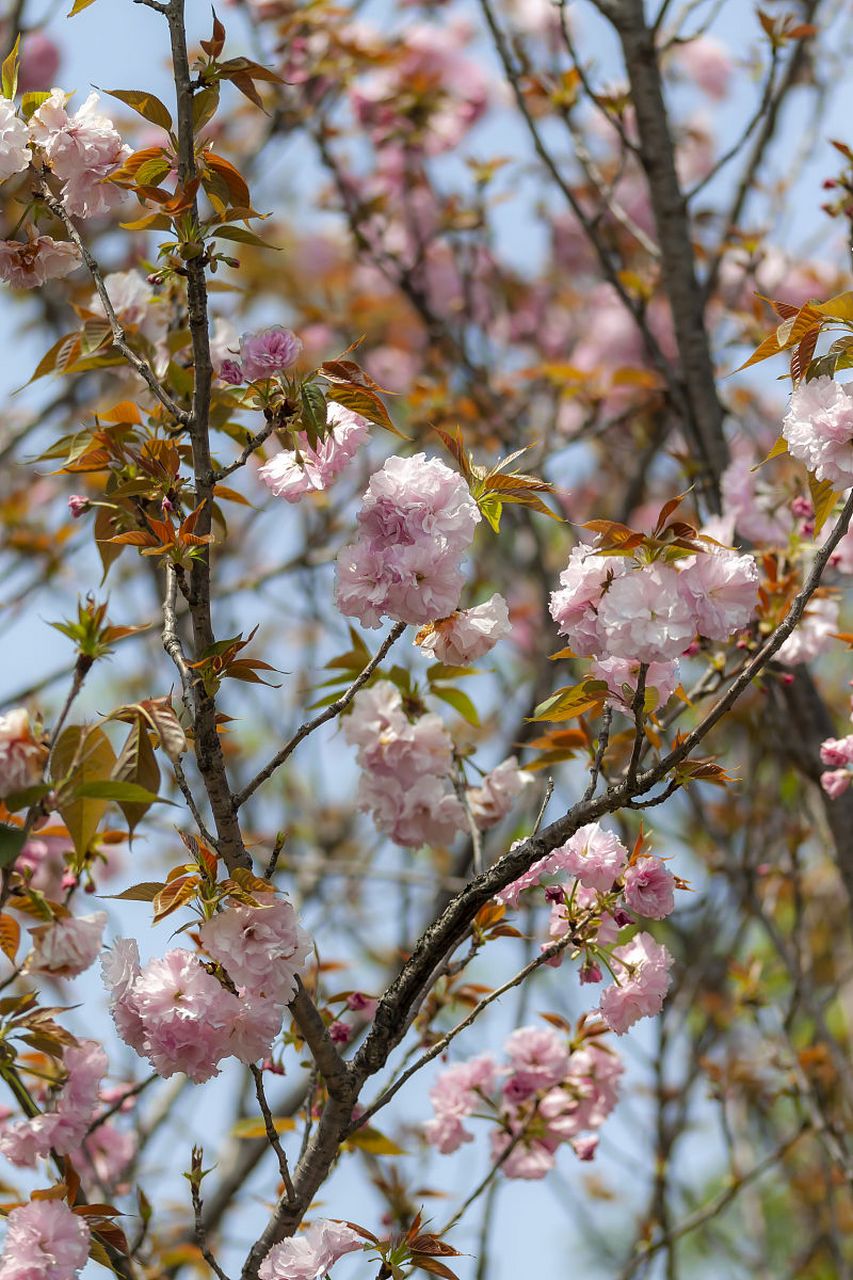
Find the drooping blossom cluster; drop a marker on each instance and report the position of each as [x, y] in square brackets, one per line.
[22, 756]
[601, 888]
[291, 473]
[181, 1017]
[499, 790]
[416, 522]
[615, 607]
[64, 1127]
[549, 1093]
[407, 764]
[467, 634]
[311, 1254]
[68, 945]
[819, 429]
[82, 151]
[45, 1240]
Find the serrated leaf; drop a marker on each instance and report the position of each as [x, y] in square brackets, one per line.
[365, 402]
[10, 936]
[137, 764]
[87, 756]
[242, 235]
[145, 891]
[9, 70]
[145, 104]
[119, 792]
[824, 499]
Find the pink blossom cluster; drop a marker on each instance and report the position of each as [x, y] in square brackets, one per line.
[608, 886]
[467, 634]
[819, 430]
[292, 473]
[416, 522]
[82, 150]
[15, 154]
[430, 96]
[406, 780]
[28, 264]
[837, 753]
[312, 1254]
[613, 607]
[813, 633]
[22, 756]
[547, 1095]
[67, 946]
[262, 355]
[45, 1240]
[499, 790]
[63, 1128]
[180, 1016]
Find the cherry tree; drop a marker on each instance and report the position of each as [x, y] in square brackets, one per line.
[453, 625]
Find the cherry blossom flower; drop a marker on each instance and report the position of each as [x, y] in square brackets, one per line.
[723, 588]
[837, 752]
[835, 782]
[467, 634]
[44, 1241]
[501, 787]
[642, 967]
[268, 352]
[63, 1128]
[819, 429]
[291, 474]
[539, 1060]
[41, 862]
[456, 1094]
[707, 62]
[416, 522]
[82, 150]
[27, 264]
[594, 855]
[312, 1254]
[575, 606]
[21, 756]
[263, 949]
[106, 1153]
[15, 153]
[650, 888]
[67, 946]
[647, 615]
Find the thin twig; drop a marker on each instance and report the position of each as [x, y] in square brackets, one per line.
[269, 1125]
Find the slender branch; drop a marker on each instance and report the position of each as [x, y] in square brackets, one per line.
[198, 1212]
[120, 342]
[329, 713]
[638, 707]
[272, 1136]
[603, 741]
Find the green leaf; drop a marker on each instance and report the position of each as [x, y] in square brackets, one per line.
[11, 844]
[491, 508]
[23, 799]
[137, 765]
[120, 792]
[459, 701]
[572, 701]
[30, 102]
[144, 104]
[80, 757]
[205, 103]
[243, 235]
[314, 412]
[145, 892]
[10, 71]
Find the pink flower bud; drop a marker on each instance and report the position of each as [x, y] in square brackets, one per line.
[590, 972]
[339, 1032]
[78, 505]
[231, 372]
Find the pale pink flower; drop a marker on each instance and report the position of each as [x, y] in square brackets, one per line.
[723, 587]
[575, 606]
[837, 752]
[813, 632]
[498, 792]
[428, 813]
[650, 888]
[82, 150]
[291, 474]
[42, 864]
[416, 522]
[263, 949]
[268, 352]
[312, 1254]
[620, 675]
[255, 1027]
[27, 264]
[14, 139]
[647, 615]
[456, 1093]
[44, 1241]
[642, 967]
[539, 1059]
[376, 710]
[759, 513]
[21, 756]
[594, 855]
[63, 1128]
[68, 946]
[819, 429]
[106, 1153]
[529, 1160]
[707, 62]
[835, 782]
[135, 303]
[467, 634]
